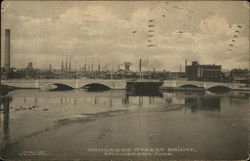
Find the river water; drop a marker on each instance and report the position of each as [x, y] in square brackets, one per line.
[117, 124]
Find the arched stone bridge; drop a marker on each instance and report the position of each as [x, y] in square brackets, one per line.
[206, 85]
[72, 83]
[114, 84]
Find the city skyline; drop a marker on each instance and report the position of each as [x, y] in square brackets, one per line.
[117, 32]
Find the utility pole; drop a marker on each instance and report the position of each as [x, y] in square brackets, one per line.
[66, 70]
[140, 69]
[70, 63]
[92, 66]
[186, 65]
[85, 65]
[62, 66]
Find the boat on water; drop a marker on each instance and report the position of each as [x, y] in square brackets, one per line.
[144, 84]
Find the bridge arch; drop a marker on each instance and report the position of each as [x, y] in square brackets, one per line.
[56, 86]
[189, 86]
[219, 89]
[96, 86]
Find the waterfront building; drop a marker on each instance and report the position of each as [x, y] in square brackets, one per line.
[242, 78]
[199, 72]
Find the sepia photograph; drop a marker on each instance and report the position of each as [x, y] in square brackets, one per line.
[124, 80]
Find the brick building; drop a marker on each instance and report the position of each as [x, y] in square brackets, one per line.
[197, 72]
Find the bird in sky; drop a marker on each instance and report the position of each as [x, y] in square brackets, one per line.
[180, 32]
[151, 45]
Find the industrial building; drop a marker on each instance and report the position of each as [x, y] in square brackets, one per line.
[197, 72]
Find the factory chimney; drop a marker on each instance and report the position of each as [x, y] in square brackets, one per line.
[62, 66]
[85, 65]
[140, 66]
[92, 65]
[99, 66]
[140, 69]
[7, 50]
[70, 63]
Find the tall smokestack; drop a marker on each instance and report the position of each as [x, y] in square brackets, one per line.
[99, 67]
[66, 65]
[140, 69]
[140, 66]
[7, 50]
[92, 65]
[85, 65]
[62, 67]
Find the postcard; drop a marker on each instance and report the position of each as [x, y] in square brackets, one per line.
[124, 80]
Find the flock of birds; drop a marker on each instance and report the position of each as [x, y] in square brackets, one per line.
[235, 36]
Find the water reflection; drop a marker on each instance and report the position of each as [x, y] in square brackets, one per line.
[5, 104]
[78, 101]
[155, 93]
[195, 101]
[239, 98]
[33, 110]
[210, 103]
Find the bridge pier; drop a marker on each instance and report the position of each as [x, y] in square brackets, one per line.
[204, 85]
[37, 84]
[76, 83]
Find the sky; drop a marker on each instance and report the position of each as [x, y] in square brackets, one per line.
[109, 32]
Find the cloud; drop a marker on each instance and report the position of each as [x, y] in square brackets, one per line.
[97, 30]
